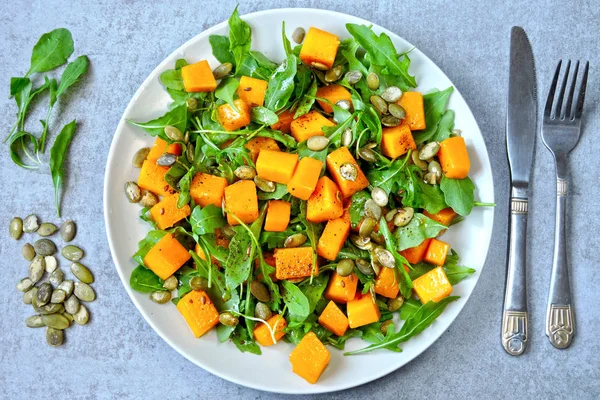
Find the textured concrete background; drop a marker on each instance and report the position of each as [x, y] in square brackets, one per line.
[119, 356]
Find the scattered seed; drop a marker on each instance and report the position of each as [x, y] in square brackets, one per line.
[166, 160]
[298, 35]
[422, 165]
[58, 296]
[54, 337]
[57, 277]
[171, 283]
[28, 296]
[375, 264]
[404, 216]
[133, 192]
[36, 269]
[44, 247]
[51, 308]
[228, 319]
[158, 296]
[189, 153]
[385, 326]
[260, 291]
[173, 133]
[68, 230]
[334, 73]
[396, 110]
[35, 321]
[264, 185]
[379, 196]
[373, 81]
[390, 121]
[352, 77]
[44, 293]
[198, 283]
[51, 264]
[347, 137]
[319, 66]
[56, 321]
[222, 70]
[15, 228]
[390, 215]
[345, 267]
[47, 229]
[72, 253]
[84, 292]
[67, 287]
[431, 178]
[30, 224]
[429, 150]
[344, 104]
[367, 154]
[379, 103]
[348, 171]
[395, 304]
[82, 273]
[72, 304]
[362, 242]
[245, 172]
[366, 227]
[28, 252]
[262, 311]
[385, 257]
[24, 285]
[392, 94]
[372, 210]
[148, 199]
[377, 238]
[364, 266]
[434, 167]
[140, 156]
[295, 240]
[317, 143]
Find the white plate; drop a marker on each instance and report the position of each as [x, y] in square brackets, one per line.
[272, 371]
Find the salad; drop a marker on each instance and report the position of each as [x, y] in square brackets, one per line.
[302, 201]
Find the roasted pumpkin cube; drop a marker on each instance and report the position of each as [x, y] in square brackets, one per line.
[434, 286]
[278, 216]
[341, 289]
[325, 202]
[232, 119]
[152, 178]
[208, 189]
[437, 252]
[333, 94]
[305, 178]
[166, 257]
[166, 214]
[161, 147]
[257, 144]
[397, 140]
[293, 263]
[276, 166]
[198, 311]
[241, 200]
[310, 358]
[386, 283]
[454, 158]
[309, 125]
[319, 48]
[412, 102]
[285, 121]
[262, 335]
[443, 217]
[335, 160]
[198, 77]
[333, 237]
[362, 310]
[334, 319]
[252, 90]
[415, 255]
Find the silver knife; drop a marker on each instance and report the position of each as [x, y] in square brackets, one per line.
[521, 128]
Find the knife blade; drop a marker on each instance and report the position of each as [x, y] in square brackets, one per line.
[521, 128]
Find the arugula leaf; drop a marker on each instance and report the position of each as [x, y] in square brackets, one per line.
[244, 342]
[256, 66]
[445, 127]
[434, 104]
[454, 272]
[226, 91]
[220, 49]
[287, 140]
[281, 85]
[304, 151]
[303, 80]
[206, 220]
[265, 65]
[17, 142]
[307, 101]
[348, 48]
[409, 307]
[58, 154]
[297, 303]
[240, 37]
[352, 252]
[458, 194]
[262, 115]
[357, 207]
[274, 240]
[172, 79]
[176, 117]
[387, 178]
[314, 291]
[286, 42]
[143, 280]
[280, 191]
[405, 283]
[418, 229]
[418, 193]
[52, 50]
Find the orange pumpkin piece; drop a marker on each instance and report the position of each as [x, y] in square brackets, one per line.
[437, 252]
[230, 118]
[166, 213]
[341, 289]
[397, 140]
[257, 144]
[362, 310]
[278, 216]
[335, 160]
[433, 285]
[310, 358]
[198, 77]
[152, 178]
[166, 257]
[334, 319]
[276, 166]
[262, 335]
[309, 125]
[208, 189]
[305, 178]
[241, 200]
[333, 94]
[415, 255]
[292, 263]
[285, 121]
[325, 202]
[319, 48]
[386, 283]
[160, 147]
[412, 102]
[332, 240]
[443, 217]
[252, 90]
[454, 158]
[198, 311]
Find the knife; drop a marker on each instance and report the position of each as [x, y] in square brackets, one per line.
[521, 128]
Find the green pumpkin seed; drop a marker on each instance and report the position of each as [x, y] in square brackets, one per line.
[392, 94]
[199, 283]
[51, 264]
[68, 230]
[435, 168]
[390, 215]
[51, 308]
[44, 247]
[364, 266]
[379, 103]
[317, 143]
[319, 66]
[189, 152]
[264, 185]
[390, 121]
[47, 229]
[171, 283]
[349, 172]
[298, 35]
[54, 337]
[245, 172]
[133, 192]
[372, 210]
[72, 253]
[262, 311]
[57, 277]
[166, 160]
[58, 296]
[345, 267]
[140, 156]
[379, 196]
[84, 292]
[222, 70]
[228, 319]
[56, 321]
[44, 293]
[385, 257]
[82, 273]
[377, 238]
[375, 264]
[260, 291]
[15, 228]
[69, 317]
[82, 316]
[397, 111]
[160, 296]
[347, 138]
[30, 224]
[28, 252]
[373, 81]
[431, 178]
[344, 104]
[334, 73]
[429, 150]
[72, 304]
[404, 216]
[35, 321]
[36, 268]
[367, 226]
[422, 165]
[362, 242]
[148, 199]
[395, 304]
[352, 77]
[24, 285]
[295, 240]
[173, 133]
[192, 104]
[385, 326]
[67, 286]
[367, 154]
[29, 295]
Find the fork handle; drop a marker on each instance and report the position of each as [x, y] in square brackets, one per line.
[560, 325]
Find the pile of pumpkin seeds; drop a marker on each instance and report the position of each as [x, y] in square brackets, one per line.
[56, 301]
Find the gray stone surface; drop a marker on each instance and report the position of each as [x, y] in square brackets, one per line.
[119, 356]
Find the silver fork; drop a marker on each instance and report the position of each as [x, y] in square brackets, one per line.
[561, 129]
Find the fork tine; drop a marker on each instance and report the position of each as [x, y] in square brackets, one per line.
[548, 109]
[567, 112]
[581, 96]
[561, 96]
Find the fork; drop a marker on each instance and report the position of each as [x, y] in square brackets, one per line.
[561, 129]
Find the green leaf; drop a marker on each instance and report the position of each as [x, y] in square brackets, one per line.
[206, 220]
[357, 207]
[409, 307]
[281, 85]
[220, 49]
[314, 291]
[297, 303]
[240, 37]
[321, 155]
[418, 193]
[445, 127]
[72, 73]
[418, 229]
[244, 342]
[58, 154]
[280, 191]
[434, 105]
[226, 91]
[172, 79]
[144, 280]
[387, 178]
[352, 252]
[286, 42]
[52, 50]
[307, 101]
[348, 48]
[262, 115]
[176, 117]
[146, 244]
[265, 65]
[18, 144]
[274, 240]
[287, 140]
[458, 194]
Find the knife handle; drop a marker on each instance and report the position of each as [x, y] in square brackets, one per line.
[514, 315]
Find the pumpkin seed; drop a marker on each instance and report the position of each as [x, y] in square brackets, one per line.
[72, 304]
[397, 111]
[395, 304]
[373, 81]
[148, 199]
[58, 296]
[15, 228]
[28, 252]
[367, 154]
[372, 210]
[352, 77]
[36, 269]
[186, 137]
[390, 121]
[431, 178]
[82, 273]
[364, 266]
[379, 196]
[320, 76]
[56, 321]
[264, 185]
[347, 137]
[222, 70]
[29, 295]
[51, 264]
[51, 308]
[349, 171]
[54, 337]
[72, 253]
[68, 230]
[344, 104]
[245, 172]
[166, 160]
[385, 326]
[44, 293]
[404, 216]
[24, 285]
[379, 103]
[295, 240]
[260, 291]
[375, 264]
[366, 227]
[133, 192]
[47, 229]
[345, 267]
[35, 321]
[171, 283]
[362, 242]
[317, 143]
[30, 224]
[319, 66]
[385, 257]
[392, 94]
[57, 276]
[67, 287]
[228, 319]
[377, 238]
[173, 133]
[456, 132]
[429, 150]
[422, 165]
[435, 168]
[84, 292]
[334, 73]
[262, 311]
[198, 283]
[44, 247]
[189, 152]
[158, 296]
[390, 215]
[140, 156]
[68, 316]
[298, 35]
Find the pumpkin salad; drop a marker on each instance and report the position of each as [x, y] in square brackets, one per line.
[302, 201]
